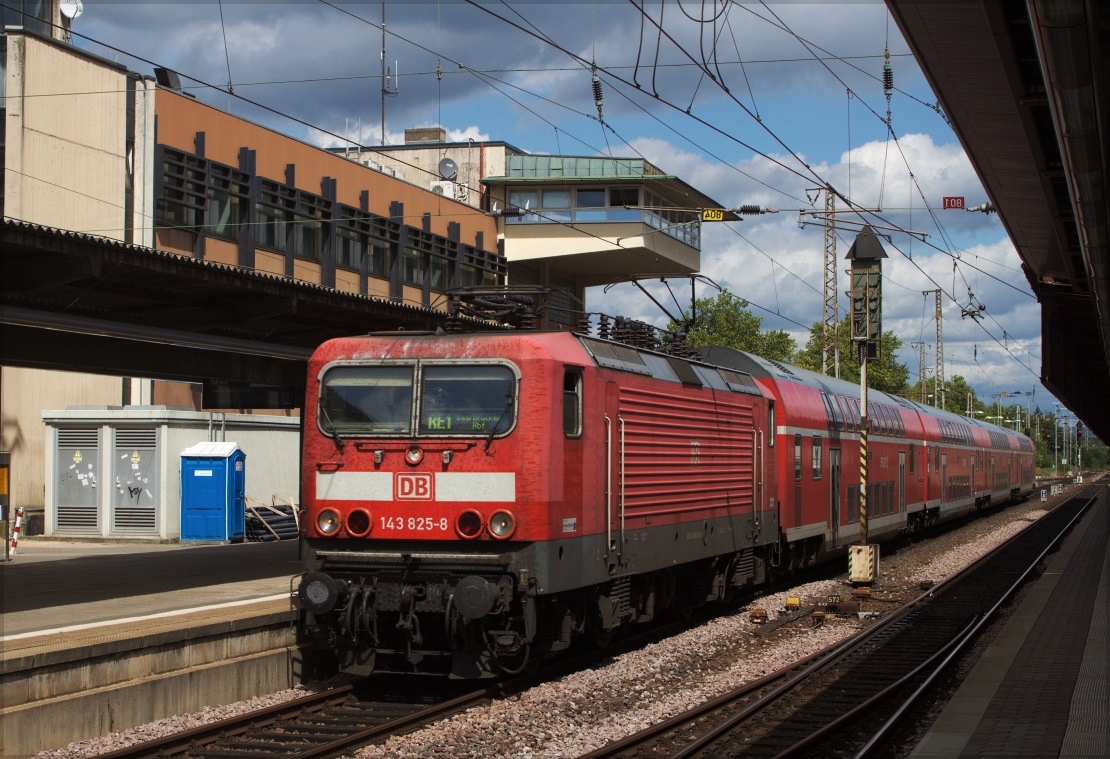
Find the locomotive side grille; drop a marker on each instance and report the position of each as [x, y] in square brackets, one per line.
[697, 454]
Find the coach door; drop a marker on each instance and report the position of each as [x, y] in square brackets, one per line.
[834, 488]
[901, 482]
[943, 479]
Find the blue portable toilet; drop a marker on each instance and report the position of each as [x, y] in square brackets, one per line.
[213, 490]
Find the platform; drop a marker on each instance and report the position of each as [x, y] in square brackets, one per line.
[99, 636]
[1041, 688]
[51, 584]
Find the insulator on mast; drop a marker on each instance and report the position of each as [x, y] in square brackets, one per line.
[599, 99]
[888, 75]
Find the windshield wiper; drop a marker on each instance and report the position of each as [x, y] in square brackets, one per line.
[497, 424]
[331, 428]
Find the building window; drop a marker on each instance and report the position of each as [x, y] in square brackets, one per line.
[273, 214]
[524, 199]
[228, 193]
[350, 247]
[414, 272]
[306, 238]
[184, 190]
[270, 228]
[439, 270]
[556, 199]
[223, 209]
[624, 196]
[378, 264]
[308, 228]
[623, 203]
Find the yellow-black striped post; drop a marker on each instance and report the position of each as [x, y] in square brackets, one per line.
[863, 480]
[863, 422]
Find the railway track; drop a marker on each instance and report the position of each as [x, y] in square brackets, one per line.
[325, 724]
[845, 700]
[334, 722]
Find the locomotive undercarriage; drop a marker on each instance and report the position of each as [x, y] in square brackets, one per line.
[375, 619]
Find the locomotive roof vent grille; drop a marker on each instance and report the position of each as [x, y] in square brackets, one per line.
[685, 372]
[616, 356]
[738, 381]
[781, 367]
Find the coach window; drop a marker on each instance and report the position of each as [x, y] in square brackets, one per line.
[572, 403]
[817, 457]
[797, 458]
[911, 457]
[828, 411]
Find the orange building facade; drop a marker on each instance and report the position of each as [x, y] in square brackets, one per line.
[234, 192]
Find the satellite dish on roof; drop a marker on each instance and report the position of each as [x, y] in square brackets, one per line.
[448, 169]
[71, 9]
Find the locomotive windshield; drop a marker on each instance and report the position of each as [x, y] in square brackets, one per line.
[367, 399]
[453, 399]
[466, 399]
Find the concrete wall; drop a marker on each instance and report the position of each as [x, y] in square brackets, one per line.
[66, 154]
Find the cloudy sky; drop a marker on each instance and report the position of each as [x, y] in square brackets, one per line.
[750, 103]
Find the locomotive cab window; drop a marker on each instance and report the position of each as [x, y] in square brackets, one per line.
[797, 458]
[817, 449]
[466, 399]
[375, 399]
[572, 403]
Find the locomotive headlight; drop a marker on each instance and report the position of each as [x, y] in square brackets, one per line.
[359, 522]
[502, 524]
[327, 522]
[414, 456]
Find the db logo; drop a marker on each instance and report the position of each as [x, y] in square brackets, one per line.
[414, 487]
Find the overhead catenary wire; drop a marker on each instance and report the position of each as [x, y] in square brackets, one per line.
[312, 125]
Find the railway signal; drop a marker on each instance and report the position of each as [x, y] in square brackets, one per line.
[866, 296]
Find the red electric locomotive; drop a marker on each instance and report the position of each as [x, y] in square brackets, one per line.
[476, 502]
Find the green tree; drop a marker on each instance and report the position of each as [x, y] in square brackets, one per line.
[726, 320]
[884, 373]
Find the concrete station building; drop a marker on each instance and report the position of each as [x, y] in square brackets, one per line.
[93, 148]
